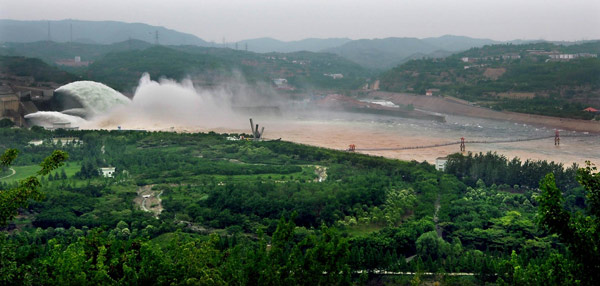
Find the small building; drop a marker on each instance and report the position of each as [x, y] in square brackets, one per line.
[432, 91]
[66, 140]
[440, 163]
[591, 109]
[108, 172]
[334, 75]
[280, 81]
[36, 142]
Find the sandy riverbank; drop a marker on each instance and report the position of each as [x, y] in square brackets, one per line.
[365, 134]
[448, 105]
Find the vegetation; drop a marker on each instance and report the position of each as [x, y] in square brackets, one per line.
[255, 213]
[508, 77]
[121, 65]
[40, 71]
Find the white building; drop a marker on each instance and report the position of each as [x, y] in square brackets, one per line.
[334, 75]
[108, 172]
[280, 81]
[36, 142]
[66, 140]
[440, 163]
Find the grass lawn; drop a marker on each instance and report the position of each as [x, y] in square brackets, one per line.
[22, 172]
[363, 229]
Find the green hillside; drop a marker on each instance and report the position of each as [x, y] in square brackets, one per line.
[39, 70]
[51, 52]
[512, 77]
[120, 65]
[303, 70]
[122, 70]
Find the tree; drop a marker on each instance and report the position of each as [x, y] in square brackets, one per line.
[579, 231]
[5, 122]
[430, 245]
[397, 203]
[13, 199]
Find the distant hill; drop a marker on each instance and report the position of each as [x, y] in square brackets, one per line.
[541, 78]
[51, 52]
[386, 53]
[268, 45]
[122, 70]
[457, 43]
[92, 32]
[304, 70]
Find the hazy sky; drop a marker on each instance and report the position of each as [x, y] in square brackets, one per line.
[297, 19]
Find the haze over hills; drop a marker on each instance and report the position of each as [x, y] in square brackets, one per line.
[99, 32]
[389, 52]
[55, 51]
[266, 45]
[375, 54]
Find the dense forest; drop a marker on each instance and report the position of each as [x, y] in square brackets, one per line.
[203, 209]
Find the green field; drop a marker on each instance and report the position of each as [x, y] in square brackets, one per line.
[22, 172]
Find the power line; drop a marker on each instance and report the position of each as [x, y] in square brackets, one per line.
[470, 142]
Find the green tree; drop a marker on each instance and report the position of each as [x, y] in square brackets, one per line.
[579, 231]
[13, 199]
[430, 245]
[5, 122]
[397, 203]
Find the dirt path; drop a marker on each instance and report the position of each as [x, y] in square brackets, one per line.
[149, 200]
[13, 173]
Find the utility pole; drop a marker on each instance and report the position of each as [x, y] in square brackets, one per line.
[156, 37]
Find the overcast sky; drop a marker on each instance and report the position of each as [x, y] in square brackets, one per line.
[298, 19]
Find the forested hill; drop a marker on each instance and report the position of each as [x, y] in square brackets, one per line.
[121, 70]
[542, 78]
[51, 52]
[29, 67]
[120, 65]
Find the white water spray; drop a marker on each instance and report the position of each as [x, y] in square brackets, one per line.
[49, 118]
[96, 98]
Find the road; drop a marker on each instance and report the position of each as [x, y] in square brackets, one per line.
[13, 173]
[142, 192]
